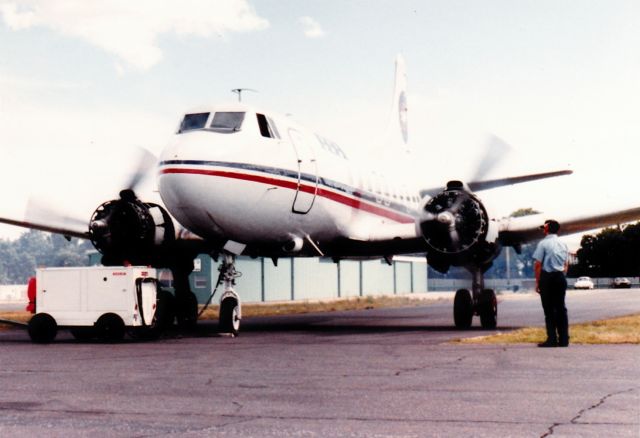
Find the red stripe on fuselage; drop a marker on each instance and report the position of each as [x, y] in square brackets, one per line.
[337, 197]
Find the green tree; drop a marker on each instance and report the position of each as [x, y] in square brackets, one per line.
[613, 252]
[20, 258]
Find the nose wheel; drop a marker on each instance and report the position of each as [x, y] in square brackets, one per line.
[230, 309]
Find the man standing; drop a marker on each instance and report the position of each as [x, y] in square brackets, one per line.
[550, 265]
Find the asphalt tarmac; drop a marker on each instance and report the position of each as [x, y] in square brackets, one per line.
[375, 373]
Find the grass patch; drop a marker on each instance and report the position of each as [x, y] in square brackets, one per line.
[18, 316]
[341, 304]
[621, 330]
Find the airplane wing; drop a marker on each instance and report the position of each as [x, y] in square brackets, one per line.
[68, 229]
[516, 231]
[476, 186]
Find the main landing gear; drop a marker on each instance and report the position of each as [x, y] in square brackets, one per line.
[230, 309]
[479, 301]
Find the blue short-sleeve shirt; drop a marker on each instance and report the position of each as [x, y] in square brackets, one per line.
[552, 253]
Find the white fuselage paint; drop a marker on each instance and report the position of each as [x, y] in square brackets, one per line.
[257, 190]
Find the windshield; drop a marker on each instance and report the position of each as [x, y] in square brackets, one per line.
[193, 121]
[227, 121]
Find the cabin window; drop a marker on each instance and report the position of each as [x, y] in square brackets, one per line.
[227, 121]
[193, 121]
[267, 127]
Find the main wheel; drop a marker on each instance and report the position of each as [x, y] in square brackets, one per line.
[42, 328]
[229, 320]
[488, 309]
[463, 309]
[187, 306]
[110, 327]
[162, 320]
[166, 310]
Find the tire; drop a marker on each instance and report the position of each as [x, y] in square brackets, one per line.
[110, 328]
[165, 311]
[83, 333]
[42, 328]
[163, 318]
[462, 309]
[488, 309]
[187, 305]
[229, 321]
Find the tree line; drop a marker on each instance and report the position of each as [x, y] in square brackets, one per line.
[613, 252]
[19, 258]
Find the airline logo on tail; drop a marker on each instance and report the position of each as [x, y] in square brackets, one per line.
[402, 116]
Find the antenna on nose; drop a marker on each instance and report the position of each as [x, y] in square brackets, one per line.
[239, 91]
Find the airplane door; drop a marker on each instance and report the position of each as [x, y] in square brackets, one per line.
[307, 174]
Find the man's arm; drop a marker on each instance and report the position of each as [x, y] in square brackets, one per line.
[537, 268]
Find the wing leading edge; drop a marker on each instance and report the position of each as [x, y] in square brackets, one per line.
[516, 231]
[68, 230]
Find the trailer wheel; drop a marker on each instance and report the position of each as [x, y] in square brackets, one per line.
[42, 328]
[229, 321]
[83, 333]
[110, 327]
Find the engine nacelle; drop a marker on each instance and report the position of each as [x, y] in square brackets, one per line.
[455, 224]
[128, 230]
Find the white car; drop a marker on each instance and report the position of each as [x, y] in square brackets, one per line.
[583, 283]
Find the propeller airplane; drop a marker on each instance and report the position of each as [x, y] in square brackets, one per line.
[237, 180]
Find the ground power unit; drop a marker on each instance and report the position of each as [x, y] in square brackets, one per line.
[94, 302]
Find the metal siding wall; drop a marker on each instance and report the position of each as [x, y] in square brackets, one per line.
[403, 277]
[349, 278]
[249, 286]
[420, 277]
[315, 278]
[277, 280]
[377, 277]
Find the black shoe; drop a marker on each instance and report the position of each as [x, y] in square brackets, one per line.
[548, 344]
[563, 344]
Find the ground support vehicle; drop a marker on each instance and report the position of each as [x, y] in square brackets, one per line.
[96, 303]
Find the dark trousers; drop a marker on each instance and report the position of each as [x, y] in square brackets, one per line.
[553, 288]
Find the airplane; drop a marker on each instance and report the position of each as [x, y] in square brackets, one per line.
[238, 180]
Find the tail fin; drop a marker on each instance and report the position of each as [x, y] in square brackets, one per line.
[397, 130]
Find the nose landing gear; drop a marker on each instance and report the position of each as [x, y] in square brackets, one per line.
[230, 309]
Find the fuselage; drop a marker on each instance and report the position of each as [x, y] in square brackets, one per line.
[236, 173]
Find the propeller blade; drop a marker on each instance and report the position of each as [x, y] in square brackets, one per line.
[145, 162]
[44, 218]
[455, 239]
[495, 150]
[37, 211]
[427, 217]
[457, 204]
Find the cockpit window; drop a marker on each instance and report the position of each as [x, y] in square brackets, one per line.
[194, 121]
[227, 121]
[267, 127]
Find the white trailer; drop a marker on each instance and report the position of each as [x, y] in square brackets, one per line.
[100, 302]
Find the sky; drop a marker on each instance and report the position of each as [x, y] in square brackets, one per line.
[83, 84]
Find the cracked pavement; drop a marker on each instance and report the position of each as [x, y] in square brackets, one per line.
[382, 373]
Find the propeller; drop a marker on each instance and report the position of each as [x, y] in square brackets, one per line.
[144, 163]
[454, 219]
[40, 215]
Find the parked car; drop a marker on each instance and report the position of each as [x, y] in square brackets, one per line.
[583, 283]
[621, 283]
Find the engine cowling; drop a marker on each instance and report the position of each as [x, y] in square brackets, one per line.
[455, 224]
[129, 230]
